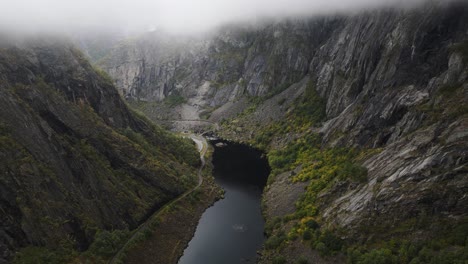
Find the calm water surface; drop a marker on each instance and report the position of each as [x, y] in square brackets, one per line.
[231, 231]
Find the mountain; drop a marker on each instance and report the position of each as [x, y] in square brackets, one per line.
[75, 162]
[363, 117]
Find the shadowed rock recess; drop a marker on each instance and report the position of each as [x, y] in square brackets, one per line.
[75, 162]
[364, 119]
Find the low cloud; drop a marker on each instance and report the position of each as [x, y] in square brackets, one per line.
[172, 15]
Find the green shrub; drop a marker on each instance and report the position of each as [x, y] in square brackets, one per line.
[279, 260]
[449, 90]
[459, 236]
[42, 255]
[312, 224]
[104, 75]
[311, 107]
[462, 48]
[321, 248]
[331, 241]
[328, 244]
[107, 243]
[378, 256]
[404, 252]
[175, 99]
[352, 171]
[274, 242]
[272, 224]
[307, 235]
[301, 260]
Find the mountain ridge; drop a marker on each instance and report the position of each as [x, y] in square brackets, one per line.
[76, 161]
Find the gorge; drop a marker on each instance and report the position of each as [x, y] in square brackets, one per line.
[363, 118]
[357, 124]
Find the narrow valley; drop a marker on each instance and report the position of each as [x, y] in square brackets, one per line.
[209, 132]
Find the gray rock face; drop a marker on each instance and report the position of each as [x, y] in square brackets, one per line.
[233, 63]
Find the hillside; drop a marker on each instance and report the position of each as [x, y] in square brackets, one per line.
[76, 163]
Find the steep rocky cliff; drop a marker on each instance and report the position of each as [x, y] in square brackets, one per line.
[234, 62]
[364, 118]
[74, 160]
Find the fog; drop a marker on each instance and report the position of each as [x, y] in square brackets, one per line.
[180, 16]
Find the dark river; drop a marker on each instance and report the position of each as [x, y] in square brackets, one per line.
[231, 231]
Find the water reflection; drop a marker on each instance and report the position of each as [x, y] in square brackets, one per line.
[231, 231]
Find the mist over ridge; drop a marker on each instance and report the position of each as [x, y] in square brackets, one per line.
[178, 17]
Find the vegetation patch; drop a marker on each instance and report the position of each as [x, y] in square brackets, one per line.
[448, 105]
[275, 241]
[103, 75]
[320, 167]
[462, 48]
[441, 250]
[63, 253]
[107, 243]
[309, 109]
[175, 99]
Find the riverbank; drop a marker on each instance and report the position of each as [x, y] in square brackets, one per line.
[164, 237]
[176, 226]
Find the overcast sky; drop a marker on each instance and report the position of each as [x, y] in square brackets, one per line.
[172, 15]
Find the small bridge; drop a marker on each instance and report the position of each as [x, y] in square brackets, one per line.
[192, 120]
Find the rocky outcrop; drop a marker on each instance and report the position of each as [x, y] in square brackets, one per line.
[73, 158]
[406, 93]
